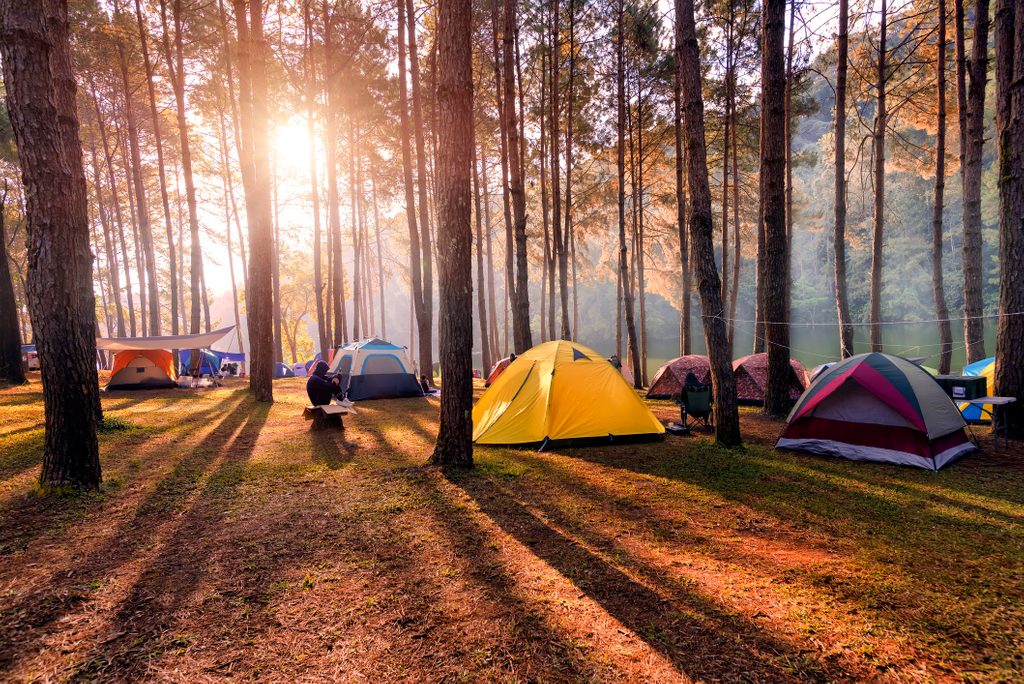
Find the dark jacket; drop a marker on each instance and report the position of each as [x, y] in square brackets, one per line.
[319, 388]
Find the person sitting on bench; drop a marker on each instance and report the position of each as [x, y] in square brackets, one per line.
[319, 387]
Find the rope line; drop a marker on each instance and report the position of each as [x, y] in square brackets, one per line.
[835, 324]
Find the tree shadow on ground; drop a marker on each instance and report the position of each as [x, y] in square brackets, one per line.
[148, 609]
[25, 622]
[692, 631]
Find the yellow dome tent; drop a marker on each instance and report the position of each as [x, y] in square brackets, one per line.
[560, 390]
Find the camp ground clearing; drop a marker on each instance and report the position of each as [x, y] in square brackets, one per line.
[228, 542]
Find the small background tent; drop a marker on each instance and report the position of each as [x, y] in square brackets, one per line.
[312, 362]
[752, 376]
[560, 390]
[670, 377]
[497, 370]
[299, 369]
[986, 368]
[282, 371]
[375, 369]
[142, 369]
[876, 407]
[209, 362]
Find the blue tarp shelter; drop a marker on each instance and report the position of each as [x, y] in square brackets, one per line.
[209, 362]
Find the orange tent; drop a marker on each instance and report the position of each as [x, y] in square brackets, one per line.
[143, 369]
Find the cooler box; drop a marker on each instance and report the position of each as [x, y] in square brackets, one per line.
[963, 387]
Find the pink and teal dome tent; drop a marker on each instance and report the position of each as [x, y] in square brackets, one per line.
[877, 407]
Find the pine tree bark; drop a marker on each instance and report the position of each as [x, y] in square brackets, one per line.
[357, 276]
[415, 248]
[839, 225]
[142, 205]
[523, 338]
[567, 227]
[627, 288]
[425, 314]
[684, 242]
[255, 155]
[726, 413]
[938, 287]
[176, 71]
[974, 309]
[172, 264]
[40, 87]
[11, 369]
[115, 202]
[455, 234]
[481, 292]
[310, 94]
[878, 220]
[773, 197]
[337, 275]
[113, 277]
[1009, 374]
[228, 210]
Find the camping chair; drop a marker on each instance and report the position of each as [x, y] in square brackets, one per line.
[696, 404]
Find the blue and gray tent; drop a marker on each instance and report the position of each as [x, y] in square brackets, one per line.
[375, 369]
[282, 371]
[208, 362]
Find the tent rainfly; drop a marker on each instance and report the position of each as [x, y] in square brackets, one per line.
[142, 369]
[375, 369]
[560, 390]
[670, 378]
[877, 407]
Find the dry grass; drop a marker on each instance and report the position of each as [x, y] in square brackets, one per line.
[229, 542]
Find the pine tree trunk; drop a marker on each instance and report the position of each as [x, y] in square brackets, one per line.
[40, 89]
[108, 247]
[684, 242]
[415, 267]
[255, 155]
[773, 197]
[115, 202]
[455, 234]
[627, 289]
[839, 227]
[158, 141]
[275, 270]
[425, 313]
[380, 255]
[559, 252]
[878, 222]
[310, 92]
[176, 71]
[357, 331]
[1009, 29]
[11, 369]
[974, 309]
[938, 288]
[142, 206]
[522, 336]
[337, 276]
[567, 249]
[790, 77]
[737, 260]
[481, 293]
[726, 413]
[225, 175]
[547, 274]
[492, 309]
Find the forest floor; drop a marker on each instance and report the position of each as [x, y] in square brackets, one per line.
[230, 542]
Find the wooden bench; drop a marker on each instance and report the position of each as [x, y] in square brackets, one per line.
[326, 417]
